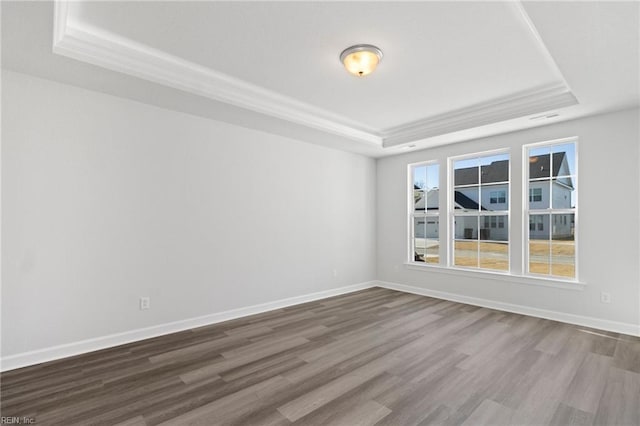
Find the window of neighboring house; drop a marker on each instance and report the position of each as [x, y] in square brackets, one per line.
[479, 203]
[424, 213]
[536, 223]
[535, 195]
[497, 197]
[551, 175]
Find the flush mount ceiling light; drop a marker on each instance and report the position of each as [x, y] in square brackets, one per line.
[361, 59]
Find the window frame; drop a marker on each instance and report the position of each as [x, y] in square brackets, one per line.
[527, 211]
[451, 212]
[411, 216]
[518, 236]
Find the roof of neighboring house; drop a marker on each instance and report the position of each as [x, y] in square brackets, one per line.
[465, 202]
[461, 200]
[432, 196]
[539, 165]
[498, 171]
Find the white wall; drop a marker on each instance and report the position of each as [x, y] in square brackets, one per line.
[608, 215]
[106, 200]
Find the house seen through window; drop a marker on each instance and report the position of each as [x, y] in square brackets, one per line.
[480, 212]
[551, 212]
[425, 215]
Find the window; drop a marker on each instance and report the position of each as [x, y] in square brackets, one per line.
[536, 223]
[551, 176]
[425, 213]
[535, 195]
[498, 197]
[479, 211]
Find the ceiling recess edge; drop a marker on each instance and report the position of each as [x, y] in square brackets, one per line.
[110, 51]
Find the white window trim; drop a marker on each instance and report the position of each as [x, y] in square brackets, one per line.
[535, 280]
[451, 210]
[550, 210]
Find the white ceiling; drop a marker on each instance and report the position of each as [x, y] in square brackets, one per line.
[439, 57]
[452, 70]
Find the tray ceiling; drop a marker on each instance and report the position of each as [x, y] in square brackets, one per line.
[449, 67]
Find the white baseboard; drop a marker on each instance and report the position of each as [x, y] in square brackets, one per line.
[76, 348]
[602, 324]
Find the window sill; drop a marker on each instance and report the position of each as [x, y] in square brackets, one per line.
[500, 276]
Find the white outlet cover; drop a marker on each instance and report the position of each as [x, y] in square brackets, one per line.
[145, 303]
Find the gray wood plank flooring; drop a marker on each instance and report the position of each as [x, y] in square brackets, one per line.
[376, 356]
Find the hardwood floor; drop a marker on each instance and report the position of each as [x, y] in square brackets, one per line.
[372, 357]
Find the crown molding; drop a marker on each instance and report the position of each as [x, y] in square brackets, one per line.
[107, 50]
[102, 48]
[519, 105]
[60, 18]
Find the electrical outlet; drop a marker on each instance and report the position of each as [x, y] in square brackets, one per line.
[335, 273]
[605, 297]
[145, 303]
